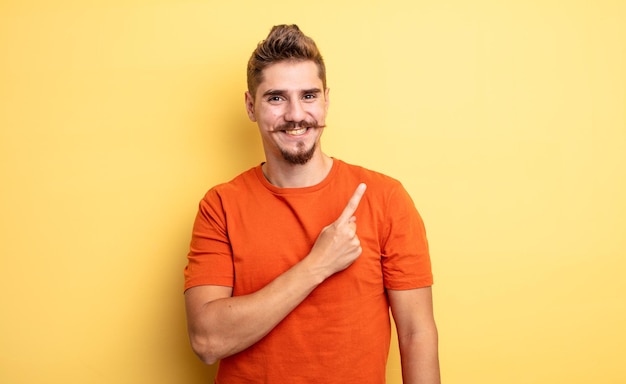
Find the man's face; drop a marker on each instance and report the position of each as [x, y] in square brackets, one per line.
[290, 108]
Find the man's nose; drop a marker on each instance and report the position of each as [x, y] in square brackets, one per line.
[295, 111]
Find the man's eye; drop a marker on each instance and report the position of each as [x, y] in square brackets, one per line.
[275, 99]
[309, 97]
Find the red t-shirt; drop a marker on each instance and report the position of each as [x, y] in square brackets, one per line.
[248, 232]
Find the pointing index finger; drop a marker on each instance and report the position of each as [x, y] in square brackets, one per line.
[353, 203]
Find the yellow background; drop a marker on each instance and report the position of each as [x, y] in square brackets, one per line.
[505, 120]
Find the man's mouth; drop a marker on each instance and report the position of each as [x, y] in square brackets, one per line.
[296, 132]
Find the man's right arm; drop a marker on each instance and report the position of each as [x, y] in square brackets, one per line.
[221, 325]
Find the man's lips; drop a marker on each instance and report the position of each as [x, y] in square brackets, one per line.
[297, 128]
[296, 131]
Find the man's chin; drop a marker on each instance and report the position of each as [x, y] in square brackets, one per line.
[299, 158]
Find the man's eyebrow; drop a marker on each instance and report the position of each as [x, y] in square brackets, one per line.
[312, 90]
[274, 92]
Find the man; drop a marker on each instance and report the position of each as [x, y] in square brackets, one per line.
[282, 284]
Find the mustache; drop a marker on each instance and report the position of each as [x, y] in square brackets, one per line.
[298, 124]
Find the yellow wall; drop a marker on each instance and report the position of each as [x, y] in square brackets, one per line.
[506, 121]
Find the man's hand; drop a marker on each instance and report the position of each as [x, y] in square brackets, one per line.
[338, 246]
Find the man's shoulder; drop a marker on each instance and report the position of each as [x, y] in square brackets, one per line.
[367, 175]
[244, 181]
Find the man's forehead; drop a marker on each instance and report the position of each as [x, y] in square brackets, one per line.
[291, 76]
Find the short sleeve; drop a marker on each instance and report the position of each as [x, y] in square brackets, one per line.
[405, 255]
[210, 260]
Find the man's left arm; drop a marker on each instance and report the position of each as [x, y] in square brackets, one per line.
[412, 311]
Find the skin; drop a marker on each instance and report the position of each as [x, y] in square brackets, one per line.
[291, 97]
[291, 93]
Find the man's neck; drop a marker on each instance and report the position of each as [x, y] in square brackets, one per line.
[285, 175]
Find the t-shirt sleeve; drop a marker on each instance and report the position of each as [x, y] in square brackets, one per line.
[405, 255]
[210, 260]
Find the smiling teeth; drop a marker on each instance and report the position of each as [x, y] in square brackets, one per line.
[296, 132]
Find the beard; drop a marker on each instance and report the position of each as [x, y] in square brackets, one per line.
[301, 156]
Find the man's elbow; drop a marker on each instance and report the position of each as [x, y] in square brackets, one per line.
[206, 349]
[428, 335]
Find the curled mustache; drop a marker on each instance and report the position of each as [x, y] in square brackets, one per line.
[300, 124]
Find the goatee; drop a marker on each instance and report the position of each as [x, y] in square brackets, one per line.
[299, 158]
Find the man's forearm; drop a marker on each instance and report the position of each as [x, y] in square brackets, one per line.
[420, 358]
[228, 325]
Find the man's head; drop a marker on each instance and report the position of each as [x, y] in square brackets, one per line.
[284, 43]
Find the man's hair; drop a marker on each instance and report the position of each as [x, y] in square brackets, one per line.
[283, 43]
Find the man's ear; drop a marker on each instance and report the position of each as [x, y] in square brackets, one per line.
[327, 97]
[249, 100]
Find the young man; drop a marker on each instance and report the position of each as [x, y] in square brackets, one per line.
[295, 263]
